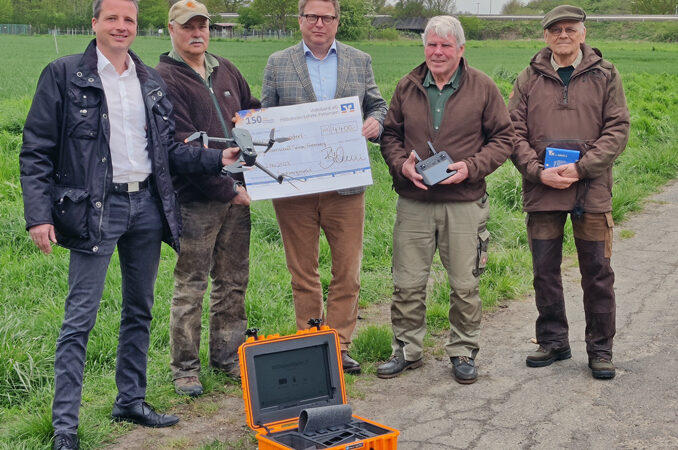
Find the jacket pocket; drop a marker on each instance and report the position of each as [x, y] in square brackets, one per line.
[69, 211]
[83, 114]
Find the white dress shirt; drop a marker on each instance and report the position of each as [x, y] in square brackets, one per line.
[127, 118]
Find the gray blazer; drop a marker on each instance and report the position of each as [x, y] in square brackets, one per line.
[286, 82]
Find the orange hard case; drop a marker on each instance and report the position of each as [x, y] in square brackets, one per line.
[283, 375]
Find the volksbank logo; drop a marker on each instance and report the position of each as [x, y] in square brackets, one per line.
[347, 108]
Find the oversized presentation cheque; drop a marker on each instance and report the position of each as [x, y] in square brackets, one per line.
[326, 151]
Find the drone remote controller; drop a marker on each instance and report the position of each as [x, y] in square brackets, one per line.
[434, 169]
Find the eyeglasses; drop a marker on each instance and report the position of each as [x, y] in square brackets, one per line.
[557, 31]
[312, 18]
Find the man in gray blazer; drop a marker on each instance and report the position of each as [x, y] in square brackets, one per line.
[320, 68]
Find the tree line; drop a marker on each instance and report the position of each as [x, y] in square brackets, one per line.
[594, 6]
[280, 14]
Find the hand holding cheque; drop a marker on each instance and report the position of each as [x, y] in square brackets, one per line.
[327, 150]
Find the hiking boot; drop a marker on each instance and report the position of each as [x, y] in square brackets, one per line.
[543, 357]
[188, 386]
[601, 368]
[464, 369]
[396, 365]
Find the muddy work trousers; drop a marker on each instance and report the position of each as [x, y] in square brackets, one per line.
[215, 244]
[593, 239]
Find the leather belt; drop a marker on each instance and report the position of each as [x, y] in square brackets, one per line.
[133, 186]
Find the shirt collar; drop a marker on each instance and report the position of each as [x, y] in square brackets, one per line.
[104, 64]
[210, 61]
[429, 81]
[576, 62]
[308, 52]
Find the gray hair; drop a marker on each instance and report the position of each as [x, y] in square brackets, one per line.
[96, 7]
[335, 3]
[445, 26]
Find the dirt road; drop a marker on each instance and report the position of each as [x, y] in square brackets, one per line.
[511, 405]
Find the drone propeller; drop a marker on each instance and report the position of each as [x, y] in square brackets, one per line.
[198, 134]
[247, 156]
[271, 140]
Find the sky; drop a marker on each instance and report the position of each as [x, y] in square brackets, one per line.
[475, 6]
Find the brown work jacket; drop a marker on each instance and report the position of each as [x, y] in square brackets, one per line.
[475, 129]
[589, 115]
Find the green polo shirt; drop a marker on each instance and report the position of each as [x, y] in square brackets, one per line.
[437, 98]
[210, 62]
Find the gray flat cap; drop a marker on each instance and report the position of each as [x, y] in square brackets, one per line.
[563, 12]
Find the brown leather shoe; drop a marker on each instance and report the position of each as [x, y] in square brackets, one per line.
[349, 364]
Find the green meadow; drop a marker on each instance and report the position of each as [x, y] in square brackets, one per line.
[33, 286]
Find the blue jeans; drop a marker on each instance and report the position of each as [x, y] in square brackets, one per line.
[134, 225]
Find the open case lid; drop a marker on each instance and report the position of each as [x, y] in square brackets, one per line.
[281, 376]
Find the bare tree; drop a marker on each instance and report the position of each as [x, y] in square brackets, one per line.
[440, 6]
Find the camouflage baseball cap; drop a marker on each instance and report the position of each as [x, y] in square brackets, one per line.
[563, 12]
[184, 10]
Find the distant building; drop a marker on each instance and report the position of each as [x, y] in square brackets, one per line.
[408, 24]
[222, 29]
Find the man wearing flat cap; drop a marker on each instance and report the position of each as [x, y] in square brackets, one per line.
[206, 91]
[569, 102]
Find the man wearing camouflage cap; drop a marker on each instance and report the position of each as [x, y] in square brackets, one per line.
[570, 98]
[206, 91]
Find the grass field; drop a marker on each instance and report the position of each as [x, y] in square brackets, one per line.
[33, 286]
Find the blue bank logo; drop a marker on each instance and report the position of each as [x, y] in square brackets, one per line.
[347, 107]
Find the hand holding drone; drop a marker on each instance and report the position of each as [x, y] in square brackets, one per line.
[248, 156]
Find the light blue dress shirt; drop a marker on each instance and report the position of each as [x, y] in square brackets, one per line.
[323, 72]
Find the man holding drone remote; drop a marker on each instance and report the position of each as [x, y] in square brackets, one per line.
[460, 112]
[206, 91]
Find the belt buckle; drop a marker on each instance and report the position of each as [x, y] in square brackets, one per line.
[133, 186]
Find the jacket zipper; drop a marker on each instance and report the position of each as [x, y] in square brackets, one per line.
[103, 201]
[208, 84]
[565, 97]
[216, 106]
[103, 195]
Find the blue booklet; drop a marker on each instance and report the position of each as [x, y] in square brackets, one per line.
[555, 157]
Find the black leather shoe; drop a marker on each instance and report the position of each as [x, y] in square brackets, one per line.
[543, 357]
[144, 415]
[66, 441]
[349, 364]
[396, 365]
[464, 369]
